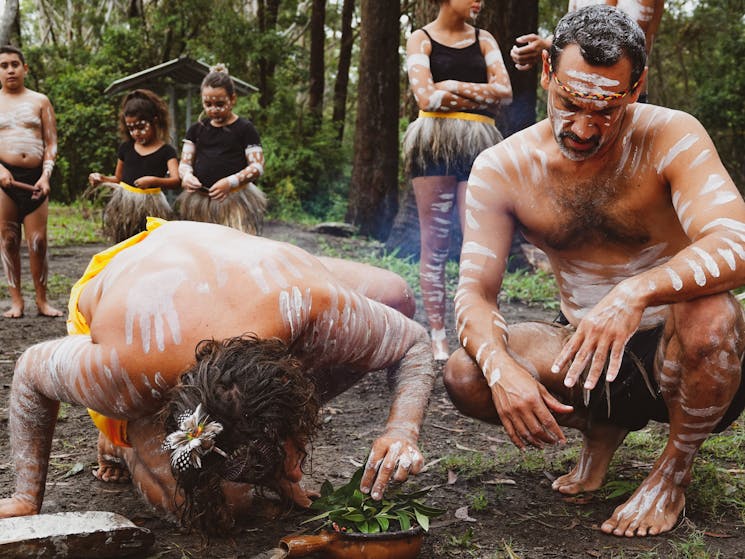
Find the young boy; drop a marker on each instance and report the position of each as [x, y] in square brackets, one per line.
[28, 148]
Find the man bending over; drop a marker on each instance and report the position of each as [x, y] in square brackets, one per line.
[206, 353]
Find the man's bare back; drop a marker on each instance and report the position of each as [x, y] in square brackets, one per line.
[154, 302]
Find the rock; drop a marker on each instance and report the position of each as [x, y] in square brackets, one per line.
[336, 228]
[90, 534]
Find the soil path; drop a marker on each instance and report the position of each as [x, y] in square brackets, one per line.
[512, 510]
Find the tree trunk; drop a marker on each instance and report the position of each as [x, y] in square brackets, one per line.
[268, 13]
[373, 197]
[342, 70]
[507, 20]
[317, 65]
[8, 21]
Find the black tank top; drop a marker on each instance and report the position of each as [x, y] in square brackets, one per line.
[465, 64]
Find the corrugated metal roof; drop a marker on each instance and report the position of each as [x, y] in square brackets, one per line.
[183, 70]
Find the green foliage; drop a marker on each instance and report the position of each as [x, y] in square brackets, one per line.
[73, 224]
[693, 547]
[472, 465]
[346, 508]
[535, 287]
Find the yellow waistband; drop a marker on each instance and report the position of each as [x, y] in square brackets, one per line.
[136, 190]
[461, 115]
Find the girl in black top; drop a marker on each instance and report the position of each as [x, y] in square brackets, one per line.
[146, 164]
[458, 78]
[221, 157]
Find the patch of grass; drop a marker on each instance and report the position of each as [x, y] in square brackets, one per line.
[464, 542]
[532, 287]
[75, 224]
[728, 446]
[693, 547]
[715, 491]
[57, 286]
[468, 466]
[479, 501]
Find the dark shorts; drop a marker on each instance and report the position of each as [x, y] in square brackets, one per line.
[632, 404]
[23, 198]
[460, 169]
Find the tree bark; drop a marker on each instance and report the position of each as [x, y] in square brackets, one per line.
[8, 21]
[342, 70]
[267, 15]
[373, 197]
[317, 64]
[507, 20]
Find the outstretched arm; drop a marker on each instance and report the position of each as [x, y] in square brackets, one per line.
[71, 369]
[353, 333]
[523, 404]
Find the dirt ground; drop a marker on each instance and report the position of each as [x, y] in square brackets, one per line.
[512, 510]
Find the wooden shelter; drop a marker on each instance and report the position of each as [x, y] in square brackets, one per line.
[174, 79]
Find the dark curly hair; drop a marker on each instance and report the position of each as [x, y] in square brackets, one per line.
[145, 105]
[603, 34]
[259, 393]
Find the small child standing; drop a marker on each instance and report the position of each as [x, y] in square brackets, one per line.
[221, 157]
[147, 163]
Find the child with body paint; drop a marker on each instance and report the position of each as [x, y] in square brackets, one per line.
[221, 158]
[458, 78]
[28, 149]
[146, 164]
[645, 232]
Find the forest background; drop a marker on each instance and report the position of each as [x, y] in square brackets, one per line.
[333, 95]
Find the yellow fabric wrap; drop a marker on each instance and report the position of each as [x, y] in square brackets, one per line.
[136, 190]
[460, 115]
[114, 429]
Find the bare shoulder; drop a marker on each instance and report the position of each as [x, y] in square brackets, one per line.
[418, 43]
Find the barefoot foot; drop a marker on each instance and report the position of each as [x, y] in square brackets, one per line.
[111, 466]
[111, 470]
[14, 506]
[600, 443]
[440, 345]
[654, 508]
[45, 309]
[15, 311]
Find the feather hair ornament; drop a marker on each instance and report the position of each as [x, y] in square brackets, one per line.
[194, 439]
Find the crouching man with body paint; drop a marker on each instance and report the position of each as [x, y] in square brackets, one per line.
[645, 232]
[201, 425]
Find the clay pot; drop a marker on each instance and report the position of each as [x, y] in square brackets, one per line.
[343, 545]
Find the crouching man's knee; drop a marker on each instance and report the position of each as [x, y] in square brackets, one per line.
[467, 387]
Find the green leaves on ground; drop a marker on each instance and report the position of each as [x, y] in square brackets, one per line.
[347, 509]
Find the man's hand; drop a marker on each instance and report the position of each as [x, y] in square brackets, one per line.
[527, 56]
[14, 506]
[296, 493]
[392, 456]
[42, 188]
[601, 337]
[5, 177]
[524, 406]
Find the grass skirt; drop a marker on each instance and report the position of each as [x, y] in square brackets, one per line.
[126, 212]
[451, 142]
[243, 209]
